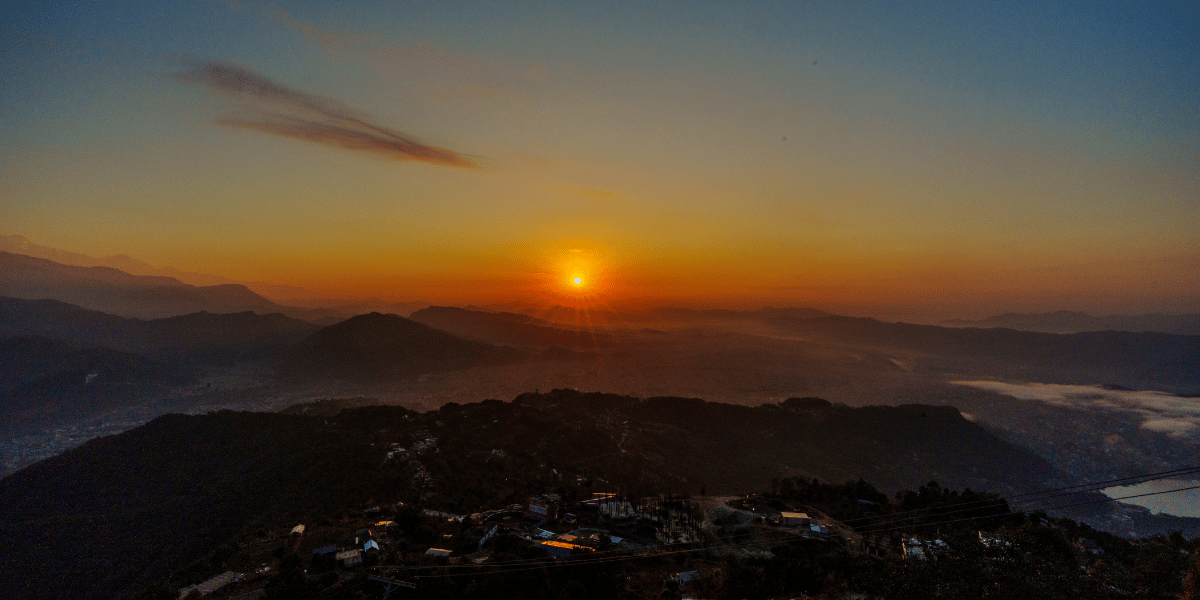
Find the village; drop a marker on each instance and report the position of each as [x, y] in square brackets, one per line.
[379, 545]
[542, 521]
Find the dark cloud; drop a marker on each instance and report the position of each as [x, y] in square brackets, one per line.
[277, 109]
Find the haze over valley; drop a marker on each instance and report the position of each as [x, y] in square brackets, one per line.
[1097, 405]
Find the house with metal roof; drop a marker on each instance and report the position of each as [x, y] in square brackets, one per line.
[793, 519]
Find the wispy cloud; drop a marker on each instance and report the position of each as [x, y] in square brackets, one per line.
[270, 107]
[1162, 412]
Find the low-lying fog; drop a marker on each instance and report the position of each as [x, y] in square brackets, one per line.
[1162, 412]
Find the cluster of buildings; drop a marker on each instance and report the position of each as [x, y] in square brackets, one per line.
[916, 548]
[601, 522]
[366, 545]
[422, 443]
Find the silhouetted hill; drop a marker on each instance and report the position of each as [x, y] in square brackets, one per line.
[234, 334]
[729, 447]
[507, 328]
[1136, 360]
[1065, 321]
[119, 511]
[212, 332]
[376, 346]
[61, 321]
[117, 292]
[46, 382]
[25, 359]
[42, 278]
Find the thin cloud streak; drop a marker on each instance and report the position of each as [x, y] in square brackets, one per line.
[279, 110]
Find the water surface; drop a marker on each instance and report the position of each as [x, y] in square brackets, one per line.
[1180, 504]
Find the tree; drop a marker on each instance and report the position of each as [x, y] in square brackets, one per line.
[1191, 580]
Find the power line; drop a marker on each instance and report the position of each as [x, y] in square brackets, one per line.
[1100, 501]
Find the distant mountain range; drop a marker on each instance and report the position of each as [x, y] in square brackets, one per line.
[143, 296]
[605, 317]
[365, 347]
[718, 314]
[49, 348]
[18, 244]
[200, 332]
[1065, 321]
[61, 364]
[377, 346]
[1148, 360]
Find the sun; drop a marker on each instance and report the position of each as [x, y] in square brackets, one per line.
[576, 275]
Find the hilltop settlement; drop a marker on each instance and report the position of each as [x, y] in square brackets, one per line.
[557, 495]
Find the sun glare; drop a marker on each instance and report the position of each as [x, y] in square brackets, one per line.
[577, 275]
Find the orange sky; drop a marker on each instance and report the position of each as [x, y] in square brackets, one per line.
[955, 158]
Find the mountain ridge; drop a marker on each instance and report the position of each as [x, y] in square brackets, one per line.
[1146, 360]
[19, 244]
[200, 331]
[508, 328]
[376, 346]
[1065, 321]
[117, 292]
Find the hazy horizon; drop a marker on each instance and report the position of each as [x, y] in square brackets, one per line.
[945, 309]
